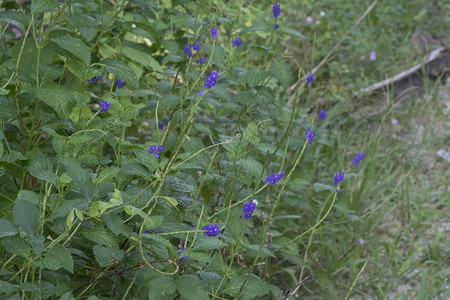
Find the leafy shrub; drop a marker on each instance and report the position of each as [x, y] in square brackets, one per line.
[141, 158]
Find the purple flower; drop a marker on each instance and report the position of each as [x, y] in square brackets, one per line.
[273, 178]
[162, 125]
[146, 231]
[211, 80]
[104, 106]
[214, 33]
[94, 79]
[183, 258]
[339, 177]
[322, 114]
[361, 241]
[152, 149]
[236, 42]
[201, 93]
[120, 83]
[212, 230]
[373, 56]
[309, 78]
[310, 136]
[187, 50]
[249, 208]
[275, 26]
[358, 158]
[201, 60]
[160, 148]
[394, 121]
[196, 46]
[309, 19]
[276, 10]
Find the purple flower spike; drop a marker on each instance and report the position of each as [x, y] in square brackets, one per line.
[214, 33]
[322, 114]
[196, 46]
[104, 106]
[276, 10]
[358, 158]
[201, 60]
[120, 83]
[275, 26]
[339, 177]
[236, 42]
[212, 230]
[310, 78]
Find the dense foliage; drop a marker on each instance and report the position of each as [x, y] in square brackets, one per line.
[172, 150]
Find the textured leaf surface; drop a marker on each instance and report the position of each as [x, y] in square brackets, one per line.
[281, 72]
[58, 257]
[17, 245]
[100, 236]
[106, 256]
[58, 98]
[75, 46]
[38, 6]
[7, 228]
[26, 215]
[121, 71]
[190, 288]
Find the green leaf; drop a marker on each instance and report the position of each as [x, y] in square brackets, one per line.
[106, 175]
[41, 167]
[99, 207]
[134, 168]
[113, 222]
[22, 18]
[26, 216]
[81, 178]
[67, 296]
[29, 287]
[281, 72]
[100, 236]
[292, 32]
[255, 287]
[57, 97]
[76, 20]
[147, 159]
[132, 211]
[171, 200]
[189, 287]
[6, 287]
[168, 100]
[37, 243]
[121, 71]
[153, 222]
[106, 256]
[319, 187]
[161, 286]
[58, 257]
[17, 245]
[75, 46]
[7, 228]
[142, 58]
[38, 6]
[208, 243]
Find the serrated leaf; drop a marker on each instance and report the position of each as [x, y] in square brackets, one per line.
[7, 228]
[75, 46]
[28, 287]
[106, 175]
[6, 287]
[221, 92]
[281, 72]
[22, 18]
[171, 200]
[58, 257]
[121, 71]
[37, 244]
[99, 207]
[17, 245]
[147, 159]
[100, 236]
[132, 211]
[26, 216]
[113, 222]
[189, 287]
[161, 286]
[319, 187]
[153, 222]
[134, 168]
[38, 6]
[142, 58]
[255, 287]
[208, 243]
[293, 32]
[40, 167]
[168, 100]
[107, 256]
[81, 178]
[57, 97]
[76, 20]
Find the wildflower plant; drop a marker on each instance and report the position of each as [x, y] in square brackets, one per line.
[79, 183]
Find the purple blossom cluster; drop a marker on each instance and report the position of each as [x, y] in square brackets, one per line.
[120, 83]
[358, 158]
[339, 177]
[157, 151]
[182, 258]
[104, 106]
[95, 79]
[310, 136]
[249, 208]
[211, 80]
[236, 42]
[211, 230]
[274, 178]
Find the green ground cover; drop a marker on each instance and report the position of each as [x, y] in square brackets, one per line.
[89, 210]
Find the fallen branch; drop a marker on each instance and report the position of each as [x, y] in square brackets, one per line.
[427, 59]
